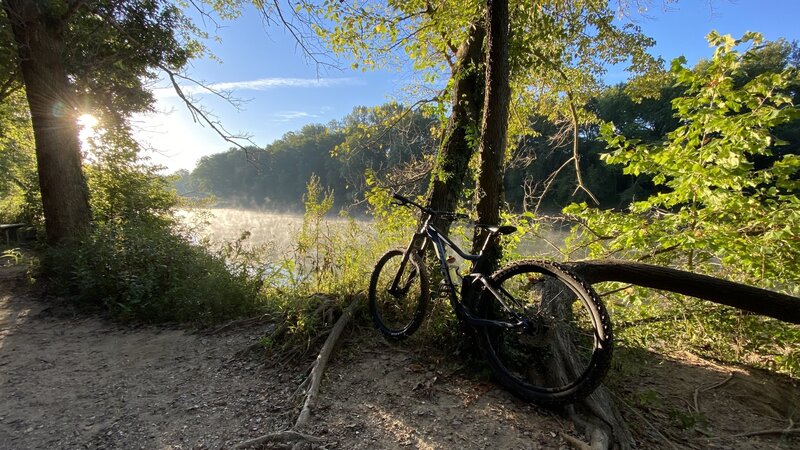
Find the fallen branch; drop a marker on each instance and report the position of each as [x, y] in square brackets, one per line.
[281, 437]
[760, 301]
[313, 381]
[261, 318]
[772, 431]
[322, 360]
[778, 431]
[708, 388]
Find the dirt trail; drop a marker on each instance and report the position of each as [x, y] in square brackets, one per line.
[70, 380]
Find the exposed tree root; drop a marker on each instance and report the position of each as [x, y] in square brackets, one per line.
[575, 442]
[697, 391]
[596, 416]
[649, 424]
[311, 385]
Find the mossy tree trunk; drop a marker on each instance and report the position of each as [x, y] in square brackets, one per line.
[494, 127]
[457, 147]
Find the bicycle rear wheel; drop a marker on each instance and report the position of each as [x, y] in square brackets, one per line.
[562, 350]
[398, 314]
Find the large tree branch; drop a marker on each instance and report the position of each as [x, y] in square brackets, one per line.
[199, 114]
[760, 301]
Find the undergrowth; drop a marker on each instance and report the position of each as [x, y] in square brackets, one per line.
[670, 323]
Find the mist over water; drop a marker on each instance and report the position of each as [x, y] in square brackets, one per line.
[279, 229]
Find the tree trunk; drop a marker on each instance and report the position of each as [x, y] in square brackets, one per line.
[447, 182]
[596, 416]
[489, 189]
[759, 301]
[38, 35]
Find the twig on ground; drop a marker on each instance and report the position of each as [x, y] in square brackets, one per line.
[708, 388]
[647, 422]
[279, 437]
[772, 431]
[240, 322]
[313, 381]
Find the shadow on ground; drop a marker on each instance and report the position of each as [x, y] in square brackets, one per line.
[71, 380]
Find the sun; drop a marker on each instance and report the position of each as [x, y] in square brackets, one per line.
[87, 122]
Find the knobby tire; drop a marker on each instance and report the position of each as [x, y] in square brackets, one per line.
[565, 353]
[398, 316]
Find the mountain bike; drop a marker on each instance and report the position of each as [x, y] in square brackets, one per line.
[543, 330]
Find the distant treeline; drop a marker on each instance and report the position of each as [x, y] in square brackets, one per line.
[394, 146]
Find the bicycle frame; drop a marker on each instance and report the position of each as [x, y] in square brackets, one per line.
[428, 233]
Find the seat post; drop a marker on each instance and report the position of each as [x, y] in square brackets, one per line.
[491, 235]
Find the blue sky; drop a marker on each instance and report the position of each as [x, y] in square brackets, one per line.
[282, 91]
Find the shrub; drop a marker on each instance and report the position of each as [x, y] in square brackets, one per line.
[149, 272]
[139, 262]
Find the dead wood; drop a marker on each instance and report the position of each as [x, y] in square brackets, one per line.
[313, 381]
[321, 362]
[280, 437]
[255, 320]
[760, 301]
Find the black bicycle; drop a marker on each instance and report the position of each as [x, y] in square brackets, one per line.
[543, 330]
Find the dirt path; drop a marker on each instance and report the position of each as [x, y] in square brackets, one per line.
[74, 381]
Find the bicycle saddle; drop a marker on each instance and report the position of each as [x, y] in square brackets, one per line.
[501, 230]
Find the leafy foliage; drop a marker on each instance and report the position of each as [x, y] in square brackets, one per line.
[726, 201]
[139, 262]
[19, 185]
[140, 271]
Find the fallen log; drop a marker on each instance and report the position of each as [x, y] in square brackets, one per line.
[759, 301]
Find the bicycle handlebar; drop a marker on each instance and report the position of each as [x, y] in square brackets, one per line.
[403, 201]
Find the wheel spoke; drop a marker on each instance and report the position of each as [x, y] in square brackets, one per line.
[558, 354]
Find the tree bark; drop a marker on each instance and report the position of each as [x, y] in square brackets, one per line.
[596, 416]
[494, 127]
[760, 301]
[38, 33]
[447, 182]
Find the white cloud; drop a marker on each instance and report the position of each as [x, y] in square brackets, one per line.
[286, 116]
[262, 84]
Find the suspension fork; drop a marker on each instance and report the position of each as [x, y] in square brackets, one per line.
[413, 246]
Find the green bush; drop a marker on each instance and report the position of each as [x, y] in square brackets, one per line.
[726, 204]
[139, 262]
[148, 272]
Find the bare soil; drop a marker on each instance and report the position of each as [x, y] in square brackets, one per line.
[71, 380]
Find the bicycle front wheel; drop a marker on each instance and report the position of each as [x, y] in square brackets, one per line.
[398, 312]
[560, 348]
